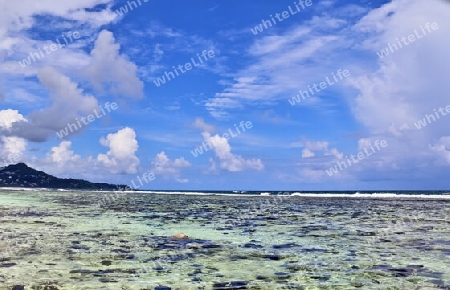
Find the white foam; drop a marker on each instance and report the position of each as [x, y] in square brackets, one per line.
[386, 195]
[374, 195]
[24, 189]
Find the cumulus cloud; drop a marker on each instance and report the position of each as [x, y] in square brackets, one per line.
[13, 145]
[68, 103]
[17, 18]
[121, 157]
[317, 156]
[111, 70]
[408, 83]
[11, 148]
[9, 116]
[168, 168]
[61, 155]
[309, 147]
[393, 92]
[222, 149]
[230, 161]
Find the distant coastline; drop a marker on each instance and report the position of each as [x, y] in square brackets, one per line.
[21, 176]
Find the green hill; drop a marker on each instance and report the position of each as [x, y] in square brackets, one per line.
[20, 175]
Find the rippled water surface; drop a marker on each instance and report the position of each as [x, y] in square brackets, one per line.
[67, 240]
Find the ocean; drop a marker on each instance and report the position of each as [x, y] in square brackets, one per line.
[235, 240]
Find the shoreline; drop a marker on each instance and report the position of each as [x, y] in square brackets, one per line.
[385, 195]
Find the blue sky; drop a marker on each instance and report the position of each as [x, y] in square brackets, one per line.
[111, 58]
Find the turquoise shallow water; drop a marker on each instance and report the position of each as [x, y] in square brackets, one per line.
[105, 241]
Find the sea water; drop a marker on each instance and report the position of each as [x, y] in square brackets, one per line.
[237, 240]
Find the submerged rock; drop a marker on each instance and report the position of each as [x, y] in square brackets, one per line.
[230, 285]
[7, 265]
[285, 246]
[180, 236]
[162, 288]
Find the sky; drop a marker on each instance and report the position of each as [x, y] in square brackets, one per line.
[228, 95]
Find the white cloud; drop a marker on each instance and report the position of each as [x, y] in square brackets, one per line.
[274, 43]
[68, 102]
[394, 92]
[306, 153]
[9, 116]
[318, 146]
[61, 155]
[12, 149]
[11, 146]
[281, 66]
[217, 105]
[168, 168]
[228, 160]
[222, 150]
[408, 83]
[111, 70]
[65, 93]
[17, 18]
[121, 157]
[200, 124]
[335, 153]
